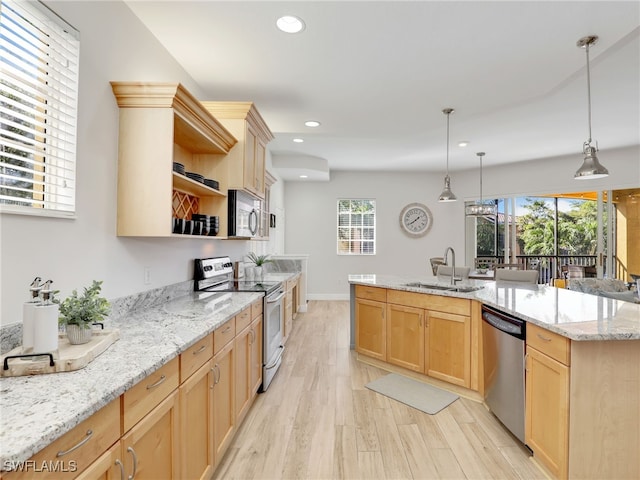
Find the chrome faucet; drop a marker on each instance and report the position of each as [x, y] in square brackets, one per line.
[453, 264]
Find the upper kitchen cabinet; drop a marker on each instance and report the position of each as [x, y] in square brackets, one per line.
[247, 158]
[162, 123]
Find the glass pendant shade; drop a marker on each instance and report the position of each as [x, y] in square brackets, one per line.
[481, 208]
[447, 195]
[591, 167]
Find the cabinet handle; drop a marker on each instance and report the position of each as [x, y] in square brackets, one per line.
[216, 380]
[121, 466]
[526, 362]
[200, 350]
[162, 379]
[543, 338]
[135, 463]
[77, 445]
[226, 329]
[253, 336]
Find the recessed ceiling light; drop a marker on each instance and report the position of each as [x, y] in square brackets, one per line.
[463, 143]
[304, 176]
[290, 24]
[312, 123]
[298, 140]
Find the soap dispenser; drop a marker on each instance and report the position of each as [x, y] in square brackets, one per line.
[45, 337]
[28, 315]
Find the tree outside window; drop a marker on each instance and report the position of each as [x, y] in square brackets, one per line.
[356, 227]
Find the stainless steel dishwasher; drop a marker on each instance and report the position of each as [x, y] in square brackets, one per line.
[503, 338]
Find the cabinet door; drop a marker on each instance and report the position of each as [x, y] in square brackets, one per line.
[108, 467]
[405, 337]
[448, 347]
[259, 168]
[242, 373]
[196, 424]
[151, 449]
[371, 331]
[547, 411]
[223, 399]
[250, 144]
[256, 354]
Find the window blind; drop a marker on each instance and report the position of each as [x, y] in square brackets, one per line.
[39, 53]
[356, 227]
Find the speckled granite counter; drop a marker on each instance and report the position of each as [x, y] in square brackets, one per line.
[36, 410]
[576, 315]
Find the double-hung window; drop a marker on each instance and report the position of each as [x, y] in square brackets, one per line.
[39, 55]
[356, 227]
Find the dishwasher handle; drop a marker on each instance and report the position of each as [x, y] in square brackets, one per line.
[513, 326]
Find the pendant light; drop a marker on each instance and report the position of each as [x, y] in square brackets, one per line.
[480, 208]
[591, 167]
[447, 195]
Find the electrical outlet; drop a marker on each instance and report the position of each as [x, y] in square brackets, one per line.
[147, 275]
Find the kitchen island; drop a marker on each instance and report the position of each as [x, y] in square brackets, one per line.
[156, 329]
[583, 360]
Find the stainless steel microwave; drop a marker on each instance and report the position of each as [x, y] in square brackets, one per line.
[244, 214]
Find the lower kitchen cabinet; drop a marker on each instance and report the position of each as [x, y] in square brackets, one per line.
[196, 424]
[256, 355]
[405, 337]
[108, 467]
[224, 419]
[243, 394]
[151, 448]
[448, 347]
[371, 328]
[547, 412]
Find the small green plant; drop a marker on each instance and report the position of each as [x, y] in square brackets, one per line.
[85, 309]
[258, 260]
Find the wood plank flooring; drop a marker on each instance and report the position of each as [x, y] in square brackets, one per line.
[318, 421]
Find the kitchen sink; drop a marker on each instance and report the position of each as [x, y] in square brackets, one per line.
[448, 288]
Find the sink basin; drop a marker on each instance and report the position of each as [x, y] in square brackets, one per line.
[449, 288]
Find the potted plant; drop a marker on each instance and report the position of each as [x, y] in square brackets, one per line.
[259, 261]
[79, 312]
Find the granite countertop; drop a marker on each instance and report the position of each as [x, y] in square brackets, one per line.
[576, 315]
[36, 410]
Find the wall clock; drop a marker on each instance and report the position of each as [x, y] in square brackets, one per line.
[416, 219]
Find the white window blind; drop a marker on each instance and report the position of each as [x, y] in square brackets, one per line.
[356, 227]
[39, 53]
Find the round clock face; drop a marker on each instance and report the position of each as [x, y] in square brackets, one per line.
[416, 219]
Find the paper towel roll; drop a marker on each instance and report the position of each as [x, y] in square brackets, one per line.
[45, 328]
[28, 316]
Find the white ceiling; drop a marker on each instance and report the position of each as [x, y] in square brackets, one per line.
[378, 74]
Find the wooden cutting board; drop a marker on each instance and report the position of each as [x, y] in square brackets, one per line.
[67, 358]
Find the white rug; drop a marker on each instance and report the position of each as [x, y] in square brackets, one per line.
[421, 396]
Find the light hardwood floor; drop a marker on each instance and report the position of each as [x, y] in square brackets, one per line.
[318, 421]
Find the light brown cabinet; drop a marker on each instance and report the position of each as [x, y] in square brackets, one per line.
[224, 418]
[162, 123]
[196, 423]
[151, 448]
[405, 337]
[108, 467]
[289, 313]
[448, 347]
[246, 161]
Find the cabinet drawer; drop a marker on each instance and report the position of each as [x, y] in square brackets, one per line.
[223, 335]
[371, 293]
[195, 356]
[243, 319]
[550, 343]
[439, 303]
[256, 309]
[292, 282]
[145, 395]
[78, 448]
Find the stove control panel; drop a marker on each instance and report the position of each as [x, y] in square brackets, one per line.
[207, 268]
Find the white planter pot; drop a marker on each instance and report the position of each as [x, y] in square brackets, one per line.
[78, 335]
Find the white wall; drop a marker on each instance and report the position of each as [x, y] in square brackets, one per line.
[311, 212]
[114, 46]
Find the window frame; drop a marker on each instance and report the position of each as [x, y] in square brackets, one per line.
[39, 90]
[355, 226]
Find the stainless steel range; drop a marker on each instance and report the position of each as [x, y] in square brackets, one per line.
[216, 275]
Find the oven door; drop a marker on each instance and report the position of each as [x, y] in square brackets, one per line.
[272, 336]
